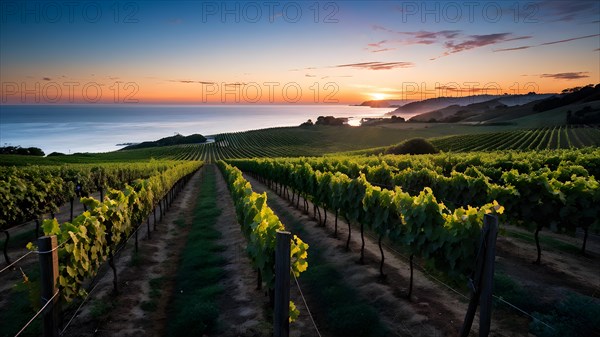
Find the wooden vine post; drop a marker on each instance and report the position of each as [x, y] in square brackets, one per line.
[5, 248]
[483, 279]
[48, 252]
[281, 314]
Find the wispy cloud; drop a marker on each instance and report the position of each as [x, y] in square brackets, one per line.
[453, 41]
[569, 40]
[364, 65]
[382, 50]
[425, 42]
[377, 65]
[419, 37]
[378, 47]
[445, 34]
[378, 27]
[191, 82]
[232, 84]
[548, 43]
[377, 44]
[478, 41]
[560, 10]
[519, 38]
[567, 76]
[461, 90]
[341, 76]
[515, 48]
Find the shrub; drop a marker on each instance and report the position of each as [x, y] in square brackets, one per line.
[196, 320]
[575, 316]
[25, 151]
[412, 146]
[354, 320]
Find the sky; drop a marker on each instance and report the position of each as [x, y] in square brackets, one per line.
[292, 52]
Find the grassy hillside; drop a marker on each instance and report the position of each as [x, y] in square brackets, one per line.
[273, 142]
[536, 131]
[526, 111]
[556, 137]
[556, 116]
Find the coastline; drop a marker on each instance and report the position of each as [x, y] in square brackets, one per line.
[99, 128]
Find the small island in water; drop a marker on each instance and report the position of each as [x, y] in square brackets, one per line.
[173, 140]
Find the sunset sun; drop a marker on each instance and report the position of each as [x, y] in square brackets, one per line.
[378, 96]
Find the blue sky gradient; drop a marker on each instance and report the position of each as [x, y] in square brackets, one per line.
[172, 51]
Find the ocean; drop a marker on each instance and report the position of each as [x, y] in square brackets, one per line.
[99, 128]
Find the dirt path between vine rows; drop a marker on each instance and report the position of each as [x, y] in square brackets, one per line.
[440, 307]
[433, 311]
[241, 306]
[106, 314]
[558, 270]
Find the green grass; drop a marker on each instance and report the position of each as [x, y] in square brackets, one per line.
[346, 313]
[18, 240]
[270, 142]
[180, 223]
[546, 241]
[193, 311]
[23, 301]
[573, 315]
[101, 307]
[136, 259]
[87, 158]
[319, 140]
[155, 285]
[552, 117]
[571, 136]
[510, 291]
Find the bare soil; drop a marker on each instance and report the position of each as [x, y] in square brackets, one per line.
[110, 314]
[558, 270]
[241, 306]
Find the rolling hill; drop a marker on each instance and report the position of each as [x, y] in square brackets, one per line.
[533, 110]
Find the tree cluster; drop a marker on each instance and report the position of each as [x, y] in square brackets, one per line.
[588, 93]
[26, 151]
[585, 115]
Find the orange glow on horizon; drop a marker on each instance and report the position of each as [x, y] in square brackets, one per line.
[163, 92]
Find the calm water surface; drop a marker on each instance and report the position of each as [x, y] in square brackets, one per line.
[99, 128]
